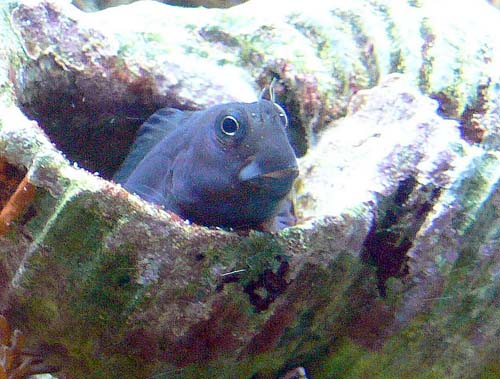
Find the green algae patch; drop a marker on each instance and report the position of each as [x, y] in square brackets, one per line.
[291, 332]
[346, 359]
[77, 233]
[340, 362]
[262, 366]
[40, 212]
[421, 350]
[83, 291]
[250, 257]
[106, 290]
[471, 189]
[491, 371]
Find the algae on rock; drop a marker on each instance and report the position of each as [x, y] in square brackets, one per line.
[393, 268]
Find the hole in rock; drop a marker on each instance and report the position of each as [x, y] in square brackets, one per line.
[91, 119]
[268, 287]
[398, 220]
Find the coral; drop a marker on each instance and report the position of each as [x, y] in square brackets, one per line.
[15, 361]
[20, 200]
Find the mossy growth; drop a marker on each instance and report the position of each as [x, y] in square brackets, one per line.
[345, 359]
[250, 256]
[340, 362]
[249, 55]
[38, 215]
[491, 370]
[262, 366]
[428, 36]
[83, 291]
[419, 350]
[472, 190]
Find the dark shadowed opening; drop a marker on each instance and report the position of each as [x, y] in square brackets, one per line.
[399, 218]
[91, 119]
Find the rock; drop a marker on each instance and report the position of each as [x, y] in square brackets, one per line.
[393, 268]
[390, 133]
[109, 70]
[95, 5]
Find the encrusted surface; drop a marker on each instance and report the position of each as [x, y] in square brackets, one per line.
[393, 269]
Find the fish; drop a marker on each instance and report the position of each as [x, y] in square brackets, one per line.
[230, 165]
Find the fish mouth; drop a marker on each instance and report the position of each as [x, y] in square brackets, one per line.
[289, 172]
[276, 183]
[253, 171]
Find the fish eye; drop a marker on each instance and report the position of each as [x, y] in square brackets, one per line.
[282, 114]
[229, 125]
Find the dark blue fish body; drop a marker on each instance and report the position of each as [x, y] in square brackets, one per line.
[230, 165]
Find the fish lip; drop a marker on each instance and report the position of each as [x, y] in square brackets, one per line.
[288, 172]
[253, 172]
[274, 184]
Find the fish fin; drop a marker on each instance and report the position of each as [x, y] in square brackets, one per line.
[156, 127]
[284, 218]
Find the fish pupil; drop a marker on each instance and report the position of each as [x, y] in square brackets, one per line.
[230, 125]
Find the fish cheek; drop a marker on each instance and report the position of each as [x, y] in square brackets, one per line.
[182, 187]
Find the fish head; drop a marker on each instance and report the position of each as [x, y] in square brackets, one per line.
[240, 164]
